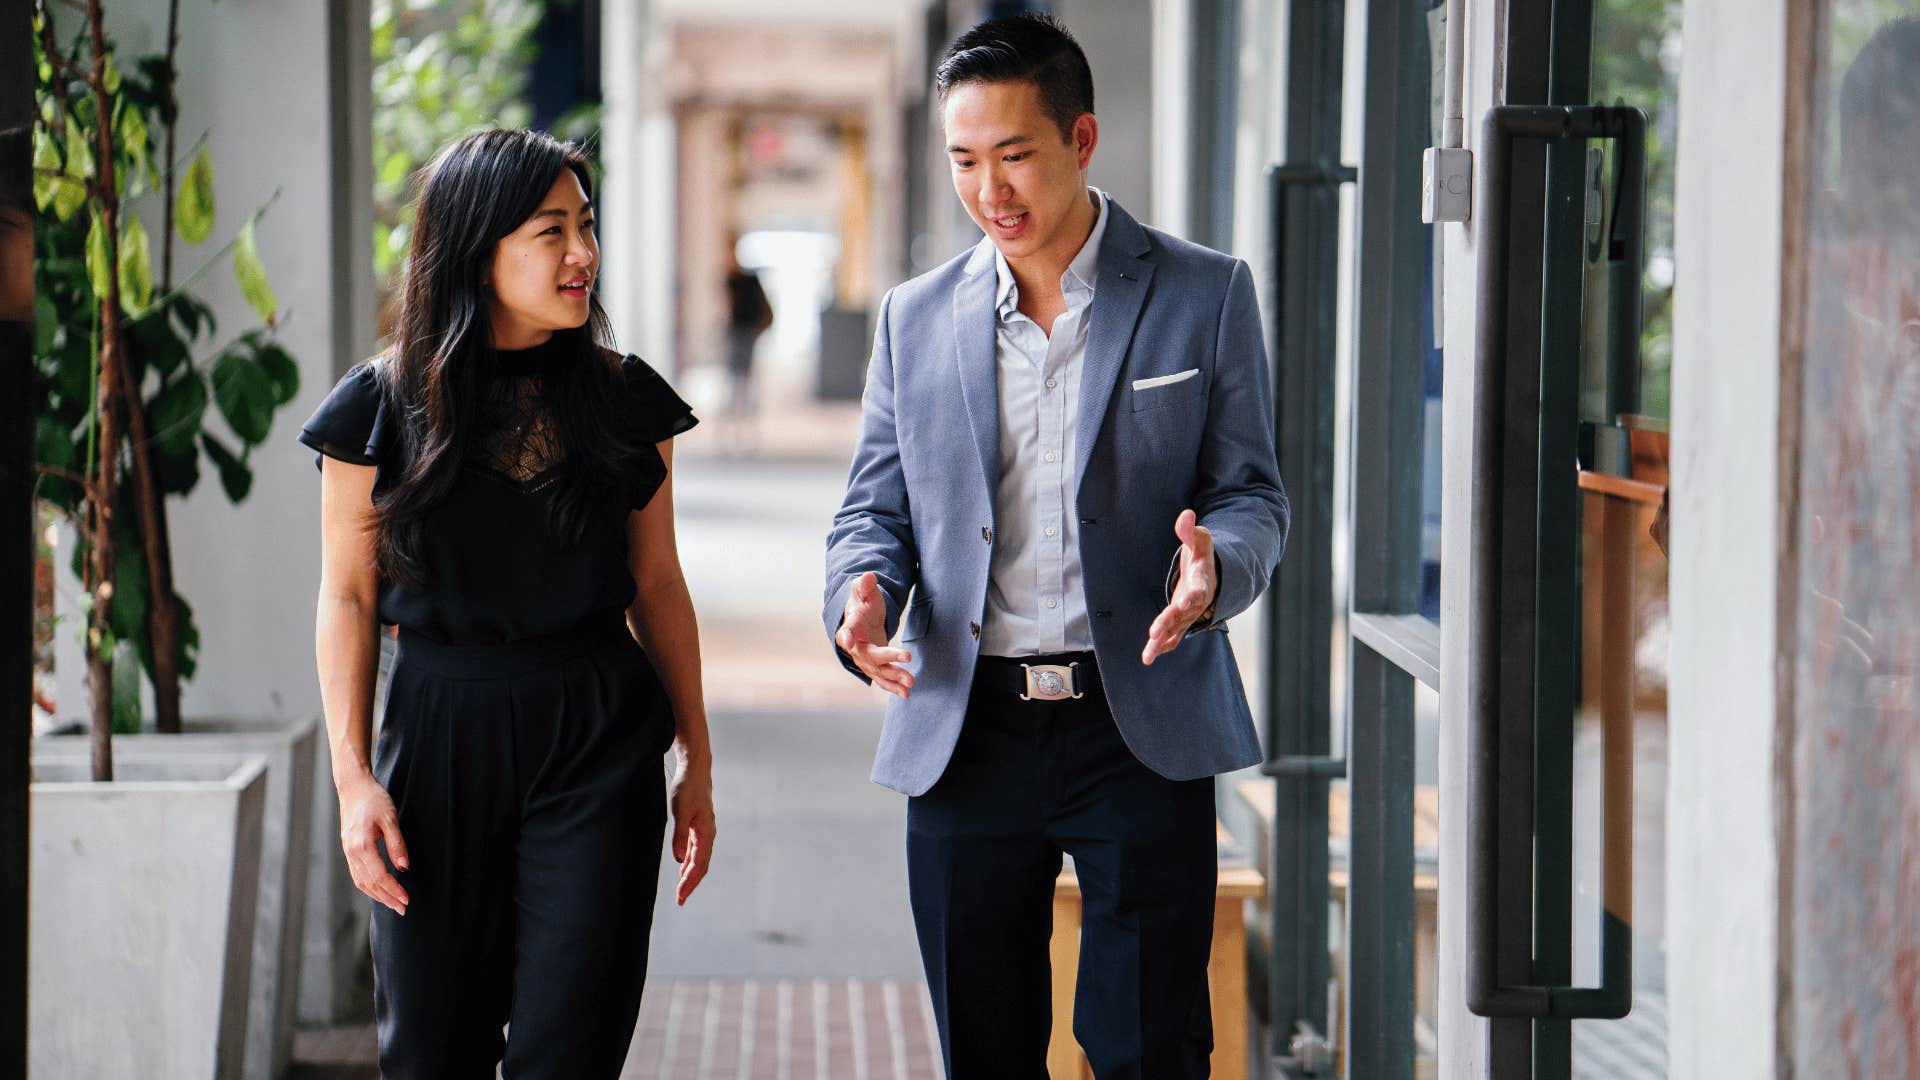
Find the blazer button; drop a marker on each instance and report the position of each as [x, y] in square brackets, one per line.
[974, 629]
[986, 534]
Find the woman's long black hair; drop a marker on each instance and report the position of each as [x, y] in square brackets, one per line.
[475, 192]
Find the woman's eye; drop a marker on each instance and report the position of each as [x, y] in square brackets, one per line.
[554, 231]
[587, 225]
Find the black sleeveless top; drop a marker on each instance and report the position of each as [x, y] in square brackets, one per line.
[498, 570]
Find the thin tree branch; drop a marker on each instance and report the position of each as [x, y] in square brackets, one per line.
[59, 473]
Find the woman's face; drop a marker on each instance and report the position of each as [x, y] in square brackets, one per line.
[543, 271]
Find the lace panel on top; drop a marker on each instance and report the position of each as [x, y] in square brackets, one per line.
[514, 434]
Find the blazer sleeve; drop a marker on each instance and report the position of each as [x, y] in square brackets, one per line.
[873, 529]
[1239, 497]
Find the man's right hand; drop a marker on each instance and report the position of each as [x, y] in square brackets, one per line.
[863, 636]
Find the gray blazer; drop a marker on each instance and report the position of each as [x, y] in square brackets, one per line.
[919, 505]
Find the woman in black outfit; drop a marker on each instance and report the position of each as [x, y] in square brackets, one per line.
[497, 484]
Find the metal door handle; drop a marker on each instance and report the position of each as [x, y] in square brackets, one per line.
[1497, 726]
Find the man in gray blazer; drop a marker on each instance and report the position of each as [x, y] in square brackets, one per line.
[1064, 487]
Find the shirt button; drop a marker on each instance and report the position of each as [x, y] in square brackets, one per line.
[986, 534]
[1052, 383]
[974, 629]
[1049, 455]
[1049, 530]
[1053, 603]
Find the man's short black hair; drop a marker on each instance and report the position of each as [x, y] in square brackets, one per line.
[1031, 48]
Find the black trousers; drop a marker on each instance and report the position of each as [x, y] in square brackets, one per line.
[531, 793]
[1028, 781]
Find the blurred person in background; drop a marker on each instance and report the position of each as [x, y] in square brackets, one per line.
[1065, 485]
[498, 484]
[16, 226]
[749, 314]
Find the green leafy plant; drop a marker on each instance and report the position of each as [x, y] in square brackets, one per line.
[125, 407]
[440, 71]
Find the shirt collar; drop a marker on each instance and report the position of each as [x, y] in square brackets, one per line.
[1078, 281]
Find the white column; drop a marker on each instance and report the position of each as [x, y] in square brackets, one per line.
[1463, 1036]
[1726, 566]
[637, 149]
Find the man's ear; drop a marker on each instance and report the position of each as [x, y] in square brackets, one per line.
[1086, 135]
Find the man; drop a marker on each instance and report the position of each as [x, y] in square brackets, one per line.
[1048, 419]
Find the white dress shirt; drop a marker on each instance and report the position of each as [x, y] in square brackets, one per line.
[1035, 602]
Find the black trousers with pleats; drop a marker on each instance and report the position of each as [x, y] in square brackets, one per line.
[1028, 781]
[531, 792]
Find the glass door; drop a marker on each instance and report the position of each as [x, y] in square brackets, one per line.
[1567, 723]
[1354, 654]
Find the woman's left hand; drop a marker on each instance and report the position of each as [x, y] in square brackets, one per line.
[693, 825]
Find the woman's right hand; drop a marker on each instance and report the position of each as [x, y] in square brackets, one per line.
[367, 817]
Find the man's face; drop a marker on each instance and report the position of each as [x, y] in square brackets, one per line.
[1014, 172]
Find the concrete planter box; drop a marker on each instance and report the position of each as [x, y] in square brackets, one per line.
[141, 900]
[290, 749]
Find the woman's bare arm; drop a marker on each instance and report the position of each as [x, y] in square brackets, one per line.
[347, 650]
[662, 620]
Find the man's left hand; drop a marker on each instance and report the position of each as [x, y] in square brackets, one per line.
[1193, 590]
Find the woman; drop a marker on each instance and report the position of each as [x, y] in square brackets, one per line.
[498, 485]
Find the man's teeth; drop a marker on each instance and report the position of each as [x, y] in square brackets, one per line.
[1009, 222]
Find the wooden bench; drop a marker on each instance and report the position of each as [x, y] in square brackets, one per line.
[1226, 971]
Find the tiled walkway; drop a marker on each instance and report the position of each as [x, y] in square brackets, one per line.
[731, 1029]
[785, 1029]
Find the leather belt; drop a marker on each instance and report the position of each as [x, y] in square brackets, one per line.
[1055, 677]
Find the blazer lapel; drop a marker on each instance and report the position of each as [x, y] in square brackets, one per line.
[1118, 297]
[974, 338]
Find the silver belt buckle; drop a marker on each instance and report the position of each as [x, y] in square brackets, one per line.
[1050, 682]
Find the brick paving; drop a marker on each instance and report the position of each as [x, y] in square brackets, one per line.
[730, 1029]
[785, 1029]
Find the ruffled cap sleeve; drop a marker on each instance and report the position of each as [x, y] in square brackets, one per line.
[657, 414]
[353, 423]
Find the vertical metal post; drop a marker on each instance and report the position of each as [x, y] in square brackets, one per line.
[1387, 394]
[1305, 223]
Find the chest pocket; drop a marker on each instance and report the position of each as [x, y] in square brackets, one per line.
[1165, 391]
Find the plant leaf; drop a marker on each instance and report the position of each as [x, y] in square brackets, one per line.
[79, 156]
[252, 274]
[245, 393]
[189, 633]
[235, 477]
[160, 348]
[46, 160]
[136, 267]
[126, 688]
[177, 412]
[132, 133]
[280, 367]
[46, 320]
[193, 207]
[99, 263]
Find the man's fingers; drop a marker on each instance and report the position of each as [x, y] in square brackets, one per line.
[893, 681]
[881, 655]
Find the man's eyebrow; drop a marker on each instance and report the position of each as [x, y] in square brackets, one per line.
[1002, 144]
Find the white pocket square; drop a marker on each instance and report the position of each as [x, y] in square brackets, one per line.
[1165, 380]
